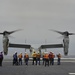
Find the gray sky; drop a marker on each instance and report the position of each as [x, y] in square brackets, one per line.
[35, 17]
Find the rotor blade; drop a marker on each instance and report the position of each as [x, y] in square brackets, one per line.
[1, 33]
[71, 33]
[14, 31]
[57, 31]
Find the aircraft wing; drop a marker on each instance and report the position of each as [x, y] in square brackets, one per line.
[51, 46]
[20, 45]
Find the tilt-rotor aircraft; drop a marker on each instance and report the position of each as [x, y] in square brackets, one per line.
[6, 43]
[65, 44]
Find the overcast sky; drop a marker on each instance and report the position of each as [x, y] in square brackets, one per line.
[36, 17]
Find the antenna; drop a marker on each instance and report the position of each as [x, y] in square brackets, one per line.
[45, 43]
[25, 43]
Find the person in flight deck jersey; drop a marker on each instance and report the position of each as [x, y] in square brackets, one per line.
[46, 59]
[1, 58]
[43, 59]
[53, 56]
[50, 58]
[26, 58]
[15, 59]
[38, 58]
[59, 58]
[20, 58]
[34, 58]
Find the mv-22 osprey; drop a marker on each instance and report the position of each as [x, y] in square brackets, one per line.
[6, 43]
[65, 44]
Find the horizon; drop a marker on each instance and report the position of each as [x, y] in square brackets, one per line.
[36, 17]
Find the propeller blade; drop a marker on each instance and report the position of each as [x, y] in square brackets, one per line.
[14, 31]
[66, 33]
[1, 33]
[57, 31]
[71, 33]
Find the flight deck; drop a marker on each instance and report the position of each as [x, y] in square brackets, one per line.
[67, 67]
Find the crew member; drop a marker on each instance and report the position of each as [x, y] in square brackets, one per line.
[1, 58]
[15, 59]
[59, 58]
[43, 57]
[46, 59]
[20, 58]
[34, 58]
[53, 56]
[50, 57]
[26, 58]
[38, 58]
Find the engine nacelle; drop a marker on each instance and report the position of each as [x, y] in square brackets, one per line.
[5, 45]
[66, 45]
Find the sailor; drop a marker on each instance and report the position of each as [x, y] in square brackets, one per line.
[20, 58]
[46, 58]
[15, 59]
[38, 58]
[59, 58]
[34, 58]
[1, 58]
[43, 57]
[53, 56]
[50, 57]
[26, 58]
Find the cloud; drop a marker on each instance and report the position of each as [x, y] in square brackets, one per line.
[35, 17]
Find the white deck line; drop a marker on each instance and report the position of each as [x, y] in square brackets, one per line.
[71, 73]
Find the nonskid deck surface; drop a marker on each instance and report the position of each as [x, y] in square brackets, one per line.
[66, 68]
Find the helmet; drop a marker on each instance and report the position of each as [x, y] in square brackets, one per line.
[25, 52]
[15, 51]
[46, 52]
[20, 52]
